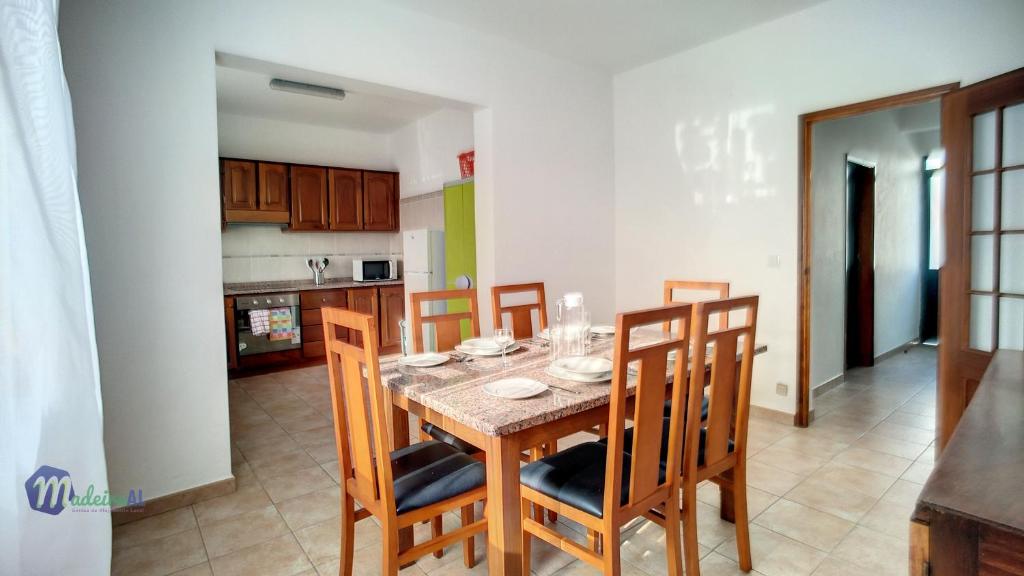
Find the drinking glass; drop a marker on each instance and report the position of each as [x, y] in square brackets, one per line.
[503, 337]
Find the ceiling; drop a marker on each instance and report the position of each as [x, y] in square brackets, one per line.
[614, 35]
[243, 89]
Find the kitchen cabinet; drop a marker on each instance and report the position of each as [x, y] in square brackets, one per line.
[345, 199]
[362, 300]
[392, 311]
[238, 185]
[273, 187]
[308, 198]
[380, 201]
[312, 322]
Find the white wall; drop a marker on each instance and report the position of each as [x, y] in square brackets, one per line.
[141, 75]
[874, 138]
[706, 143]
[426, 151]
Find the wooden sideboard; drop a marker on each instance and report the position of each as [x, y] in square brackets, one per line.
[969, 517]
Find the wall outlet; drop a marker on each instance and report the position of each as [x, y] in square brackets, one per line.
[782, 389]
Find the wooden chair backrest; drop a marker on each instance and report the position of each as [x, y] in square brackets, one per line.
[728, 389]
[716, 290]
[447, 327]
[360, 427]
[521, 314]
[649, 407]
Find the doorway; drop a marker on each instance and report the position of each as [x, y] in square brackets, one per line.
[860, 263]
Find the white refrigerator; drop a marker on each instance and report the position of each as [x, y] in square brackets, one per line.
[423, 261]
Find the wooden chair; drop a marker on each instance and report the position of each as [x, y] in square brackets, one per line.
[718, 290]
[401, 487]
[520, 314]
[447, 327]
[602, 485]
[716, 450]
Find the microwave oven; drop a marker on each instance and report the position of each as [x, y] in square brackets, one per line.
[367, 270]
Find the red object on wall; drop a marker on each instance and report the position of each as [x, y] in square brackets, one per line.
[466, 163]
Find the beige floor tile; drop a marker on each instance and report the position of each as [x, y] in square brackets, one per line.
[244, 477]
[159, 557]
[903, 492]
[242, 531]
[315, 437]
[852, 478]
[806, 442]
[644, 546]
[912, 420]
[890, 518]
[304, 423]
[579, 568]
[841, 502]
[773, 554]
[874, 461]
[757, 500]
[908, 450]
[297, 483]
[281, 464]
[321, 540]
[904, 433]
[154, 527]
[805, 524]
[368, 563]
[249, 436]
[332, 469]
[873, 551]
[323, 453]
[281, 556]
[711, 529]
[311, 508]
[797, 463]
[203, 569]
[276, 447]
[771, 479]
[833, 566]
[224, 507]
[918, 472]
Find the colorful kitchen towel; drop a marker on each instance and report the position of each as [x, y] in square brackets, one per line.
[259, 322]
[281, 326]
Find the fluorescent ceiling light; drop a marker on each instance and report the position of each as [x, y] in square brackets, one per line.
[307, 89]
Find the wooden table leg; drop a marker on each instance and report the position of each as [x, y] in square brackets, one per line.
[399, 423]
[504, 525]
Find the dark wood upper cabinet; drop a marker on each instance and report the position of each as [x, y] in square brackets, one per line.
[380, 201]
[273, 186]
[238, 184]
[345, 191]
[392, 311]
[308, 198]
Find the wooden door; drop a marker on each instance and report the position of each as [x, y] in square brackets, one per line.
[362, 300]
[392, 311]
[860, 273]
[309, 198]
[981, 295]
[345, 192]
[460, 244]
[273, 186]
[380, 202]
[238, 184]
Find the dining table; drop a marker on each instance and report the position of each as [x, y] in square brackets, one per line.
[452, 396]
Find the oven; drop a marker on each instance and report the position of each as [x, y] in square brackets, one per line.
[250, 343]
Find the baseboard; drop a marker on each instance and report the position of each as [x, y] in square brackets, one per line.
[897, 350]
[173, 501]
[772, 415]
[828, 385]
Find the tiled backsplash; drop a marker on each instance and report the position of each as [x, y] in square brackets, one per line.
[254, 253]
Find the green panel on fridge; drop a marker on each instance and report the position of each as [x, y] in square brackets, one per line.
[460, 242]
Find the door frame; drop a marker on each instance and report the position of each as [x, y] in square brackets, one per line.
[805, 145]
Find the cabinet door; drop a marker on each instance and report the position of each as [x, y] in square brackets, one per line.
[309, 198]
[380, 202]
[273, 185]
[345, 191]
[362, 300]
[392, 310]
[238, 184]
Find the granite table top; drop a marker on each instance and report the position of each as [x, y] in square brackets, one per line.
[455, 388]
[246, 288]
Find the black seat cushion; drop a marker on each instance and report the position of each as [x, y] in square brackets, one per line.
[628, 443]
[438, 433]
[430, 472]
[703, 409]
[576, 477]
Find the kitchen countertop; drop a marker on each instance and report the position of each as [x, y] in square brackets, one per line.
[246, 288]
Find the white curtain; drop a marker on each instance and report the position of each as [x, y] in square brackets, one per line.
[50, 405]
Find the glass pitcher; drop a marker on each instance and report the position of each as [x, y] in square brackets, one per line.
[570, 332]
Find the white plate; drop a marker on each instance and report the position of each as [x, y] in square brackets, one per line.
[603, 330]
[485, 351]
[515, 388]
[559, 373]
[481, 344]
[584, 365]
[423, 360]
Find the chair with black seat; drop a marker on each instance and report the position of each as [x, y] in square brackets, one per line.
[695, 291]
[716, 448]
[603, 486]
[401, 487]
